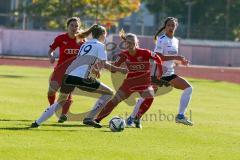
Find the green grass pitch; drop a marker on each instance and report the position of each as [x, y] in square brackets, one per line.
[215, 108]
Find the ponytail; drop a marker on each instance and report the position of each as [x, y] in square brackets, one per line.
[122, 34]
[87, 32]
[124, 37]
[158, 32]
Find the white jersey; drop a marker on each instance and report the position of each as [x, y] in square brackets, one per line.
[167, 46]
[90, 53]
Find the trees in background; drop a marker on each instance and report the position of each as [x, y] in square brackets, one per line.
[199, 19]
[52, 14]
[210, 19]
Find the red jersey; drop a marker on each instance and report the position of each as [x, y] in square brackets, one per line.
[138, 77]
[138, 64]
[68, 47]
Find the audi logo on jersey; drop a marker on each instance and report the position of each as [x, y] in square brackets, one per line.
[136, 67]
[71, 51]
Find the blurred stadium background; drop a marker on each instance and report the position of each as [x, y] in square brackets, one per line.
[209, 31]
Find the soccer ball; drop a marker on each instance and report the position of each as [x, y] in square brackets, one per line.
[117, 124]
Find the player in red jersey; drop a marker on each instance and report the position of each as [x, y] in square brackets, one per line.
[138, 78]
[68, 49]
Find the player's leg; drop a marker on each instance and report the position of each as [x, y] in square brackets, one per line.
[64, 93]
[98, 106]
[65, 109]
[94, 86]
[52, 89]
[180, 83]
[51, 110]
[108, 108]
[142, 105]
[58, 78]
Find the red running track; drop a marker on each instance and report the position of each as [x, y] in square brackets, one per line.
[229, 74]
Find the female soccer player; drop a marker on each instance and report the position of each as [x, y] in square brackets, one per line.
[79, 74]
[68, 49]
[167, 49]
[138, 78]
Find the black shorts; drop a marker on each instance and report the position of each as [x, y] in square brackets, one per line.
[163, 80]
[169, 78]
[70, 82]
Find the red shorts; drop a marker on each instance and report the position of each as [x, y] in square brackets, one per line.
[59, 71]
[135, 84]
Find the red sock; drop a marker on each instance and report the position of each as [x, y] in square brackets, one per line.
[66, 105]
[51, 98]
[108, 108]
[144, 106]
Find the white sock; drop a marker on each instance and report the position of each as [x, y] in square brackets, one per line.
[98, 106]
[48, 113]
[185, 98]
[136, 108]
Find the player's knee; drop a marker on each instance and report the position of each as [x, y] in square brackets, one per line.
[51, 92]
[53, 86]
[62, 98]
[189, 90]
[116, 100]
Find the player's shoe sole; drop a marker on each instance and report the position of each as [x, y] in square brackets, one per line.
[184, 120]
[90, 122]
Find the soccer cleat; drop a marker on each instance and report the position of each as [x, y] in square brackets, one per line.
[62, 118]
[137, 122]
[130, 122]
[184, 120]
[34, 125]
[93, 123]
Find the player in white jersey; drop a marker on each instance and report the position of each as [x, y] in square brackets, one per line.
[167, 48]
[91, 58]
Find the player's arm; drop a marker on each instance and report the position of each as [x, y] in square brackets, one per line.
[113, 68]
[105, 64]
[52, 47]
[158, 61]
[170, 57]
[51, 55]
[179, 58]
[121, 58]
[159, 51]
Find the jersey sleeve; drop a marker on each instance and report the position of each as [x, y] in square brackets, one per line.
[159, 46]
[56, 43]
[102, 54]
[158, 62]
[121, 58]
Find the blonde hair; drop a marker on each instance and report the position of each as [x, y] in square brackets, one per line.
[124, 36]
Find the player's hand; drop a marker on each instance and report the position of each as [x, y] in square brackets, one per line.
[185, 62]
[51, 59]
[124, 71]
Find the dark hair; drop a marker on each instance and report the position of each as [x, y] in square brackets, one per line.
[76, 19]
[95, 29]
[164, 26]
